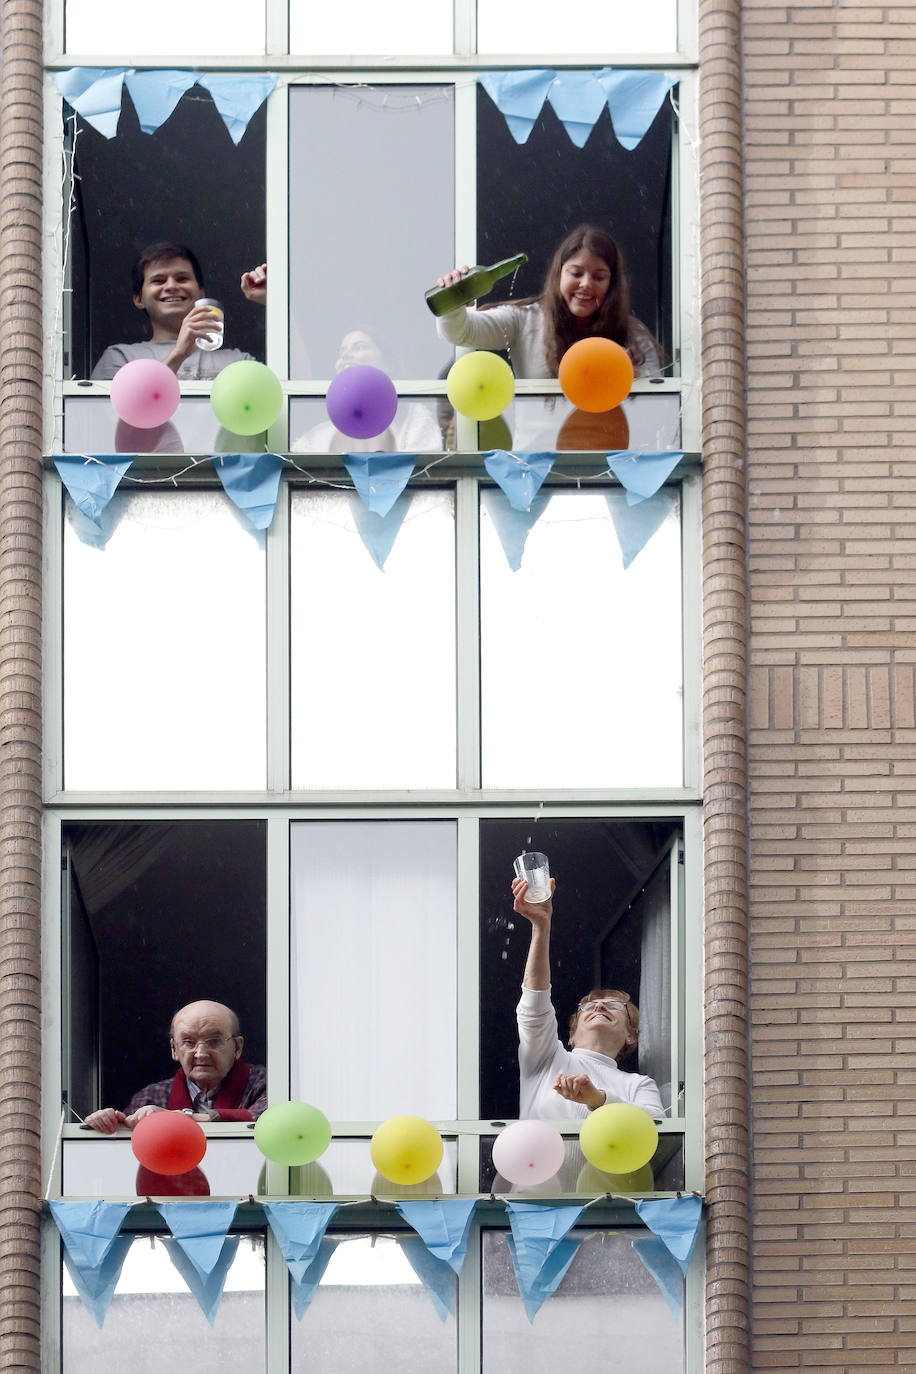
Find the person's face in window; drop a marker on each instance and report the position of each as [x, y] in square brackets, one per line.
[203, 1043]
[358, 348]
[170, 289]
[584, 282]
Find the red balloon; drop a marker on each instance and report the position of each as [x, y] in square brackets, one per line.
[193, 1184]
[595, 374]
[168, 1142]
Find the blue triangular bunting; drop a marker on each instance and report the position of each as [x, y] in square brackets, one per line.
[513, 527]
[379, 477]
[95, 94]
[298, 1229]
[635, 525]
[378, 532]
[540, 1252]
[518, 475]
[666, 1272]
[155, 95]
[91, 481]
[96, 1286]
[537, 1288]
[88, 1229]
[305, 1289]
[642, 474]
[207, 1291]
[200, 1228]
[444, 1226]
[436, 1276]
[519, 97]
[251, 481]
[676, 1221]
[578, 101]
[634, 99]
[237, 97]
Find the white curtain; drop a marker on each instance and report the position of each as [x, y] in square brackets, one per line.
[373, 1021]
[654, 906]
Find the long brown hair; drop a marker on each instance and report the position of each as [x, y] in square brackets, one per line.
[611, 321]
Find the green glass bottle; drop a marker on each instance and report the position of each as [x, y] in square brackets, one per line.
[478, 282]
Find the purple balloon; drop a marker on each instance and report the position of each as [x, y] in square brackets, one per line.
[362, 401]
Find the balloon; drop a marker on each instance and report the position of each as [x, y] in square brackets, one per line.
[383, 1187]
[528, 1152]
[583, 430]
[494, 434]
[292, 1133]
[246, 397]
[592, 1180]
[362, 401]
[145, 393]
[480, 385]
[192, 1184]
[618, 1138]
[168, 1142]
[595, 374]
[406, 1149]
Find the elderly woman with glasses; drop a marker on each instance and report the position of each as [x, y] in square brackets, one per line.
[557, 1083]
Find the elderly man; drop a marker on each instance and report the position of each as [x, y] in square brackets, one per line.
[213, 1082]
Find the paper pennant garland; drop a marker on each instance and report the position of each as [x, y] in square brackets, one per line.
[642, 474]
[513, 527]
[251, 481]
[436, 1276]
[94, 1253]
[443, 1225]
[199, 1228]
[208, 1291]
[92, 482]
[519, 475]
[155, 95]
[378, 532]
[298, 1229]
[540, 1250]
[664, 1269]
[633, 99]
[635, 525]
[519, 97]
[95, 94]
[379, 477]
[676, 1221]
[96, 1286]
[237, 97]
[307, 1286]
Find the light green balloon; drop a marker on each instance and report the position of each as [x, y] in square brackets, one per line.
[246, 397]
[292, 1133]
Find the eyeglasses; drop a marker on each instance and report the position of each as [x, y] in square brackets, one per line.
[591, 1003]
[211, 1043]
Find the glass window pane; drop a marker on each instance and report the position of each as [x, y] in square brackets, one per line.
[91, 426]
[164, 671]
[601, 637]
[106, 1166]
[154, 1322]
[231, 28]
[346, 1168]
[648, 422]
[361, 154]
[373, 651]
[601, 26]
[362, 27]
[378, 1038]
[419, 426]
[372, 1313]
[608, 1292]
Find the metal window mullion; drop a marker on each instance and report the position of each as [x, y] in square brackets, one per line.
[464, 27]
[276, 182]
[277, 725]
[468, 980]
[277, 1306]
[685, 257]
[54, 224]
[467, 633]
[278, 979]
[691, 632]
[465, 210]
[276, 29]
[52, 681]
[470, 1305]
[691, 918]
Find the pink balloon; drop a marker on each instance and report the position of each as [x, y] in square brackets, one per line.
[145, 393]
[528, 1152]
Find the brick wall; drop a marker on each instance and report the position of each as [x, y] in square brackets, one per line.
[830, 148]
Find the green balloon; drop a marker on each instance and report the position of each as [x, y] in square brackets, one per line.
[246, 397]
[292, 1133]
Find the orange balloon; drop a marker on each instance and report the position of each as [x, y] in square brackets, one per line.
[596, 374]
[600, 431]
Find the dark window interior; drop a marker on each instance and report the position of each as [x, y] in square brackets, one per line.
[161, 914]
[530, 195]
[600, 867]
[185, 183]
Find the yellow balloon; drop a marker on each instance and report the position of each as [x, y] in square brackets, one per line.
[592, 1180]
[406, 1149]
[480, 385]
[618, 1138]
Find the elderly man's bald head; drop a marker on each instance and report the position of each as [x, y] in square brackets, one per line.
[206, 1042]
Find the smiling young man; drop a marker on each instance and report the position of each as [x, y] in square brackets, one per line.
[167, 280]
[558, 1083]
[213, 1082]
